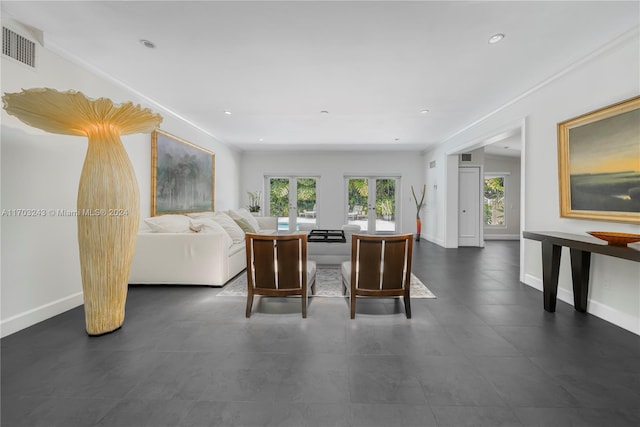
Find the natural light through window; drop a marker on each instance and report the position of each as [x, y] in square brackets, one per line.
[494, 201]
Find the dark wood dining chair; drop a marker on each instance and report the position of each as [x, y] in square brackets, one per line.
[277, 266]
[380, 266]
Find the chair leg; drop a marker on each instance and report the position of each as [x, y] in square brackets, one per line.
[304, 305]
[353, 304]
[249, 305]
[407, 305]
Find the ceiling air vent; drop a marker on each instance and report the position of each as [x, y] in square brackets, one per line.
[19, 48]
[465, 157]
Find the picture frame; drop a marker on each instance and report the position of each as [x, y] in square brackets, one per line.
[182, 176]
[599, 164]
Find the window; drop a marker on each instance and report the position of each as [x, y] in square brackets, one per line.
[494, 200]
[371, 203]
[293, 201]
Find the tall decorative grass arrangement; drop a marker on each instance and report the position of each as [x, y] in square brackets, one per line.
[419, 206]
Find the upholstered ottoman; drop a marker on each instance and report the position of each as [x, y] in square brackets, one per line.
[330, 253]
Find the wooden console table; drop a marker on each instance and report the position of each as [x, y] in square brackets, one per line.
[580, 250]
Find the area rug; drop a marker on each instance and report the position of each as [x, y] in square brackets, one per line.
[328, 284]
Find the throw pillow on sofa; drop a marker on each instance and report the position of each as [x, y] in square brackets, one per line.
[169, 224]
[230, 226]
[208, 225]
[245, 220]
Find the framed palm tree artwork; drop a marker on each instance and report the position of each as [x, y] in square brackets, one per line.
[182, 176]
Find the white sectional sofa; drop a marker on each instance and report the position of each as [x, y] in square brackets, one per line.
[184, 257]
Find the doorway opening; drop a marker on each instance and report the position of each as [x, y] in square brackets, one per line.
[494, 153]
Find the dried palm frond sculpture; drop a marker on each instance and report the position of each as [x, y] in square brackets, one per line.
[108, 195]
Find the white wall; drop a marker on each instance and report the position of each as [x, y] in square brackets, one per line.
[607, 76]
[40, 271]
[511, 166]
[332, 167]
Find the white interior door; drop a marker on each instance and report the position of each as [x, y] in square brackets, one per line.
[469, 206]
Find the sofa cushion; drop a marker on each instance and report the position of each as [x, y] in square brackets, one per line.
[230, 226]
[245, 220]
[267, 222]
[236, 247]
[209, 225]
[169, 224]
[198, 215]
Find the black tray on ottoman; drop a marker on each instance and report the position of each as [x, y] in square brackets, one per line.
[326, 236]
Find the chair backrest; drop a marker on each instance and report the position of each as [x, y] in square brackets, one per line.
[276, 261]
[381, 262]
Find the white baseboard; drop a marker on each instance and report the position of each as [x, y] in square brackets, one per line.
[36, 315]
[431, 239]
[630, 323]
[533, 281]
[501, 236]
[604, 312]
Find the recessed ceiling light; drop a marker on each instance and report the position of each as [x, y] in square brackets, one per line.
[324, 112]
[228, 113]
[424, 112]
[147, 43]
[496, 38]
[261, 139]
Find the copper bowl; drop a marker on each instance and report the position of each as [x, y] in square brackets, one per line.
[616, 239]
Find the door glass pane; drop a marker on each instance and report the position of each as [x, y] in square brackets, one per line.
[307, 208]
[279, 201]
[494, 201]
[357, 201]
[385, 203]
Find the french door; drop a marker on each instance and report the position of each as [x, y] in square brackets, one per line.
[293, 200]
[371, 203]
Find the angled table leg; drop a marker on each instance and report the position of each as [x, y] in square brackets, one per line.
[550, 272]
[580, 263]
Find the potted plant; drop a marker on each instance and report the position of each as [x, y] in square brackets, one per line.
[254, 201]
[419, 206]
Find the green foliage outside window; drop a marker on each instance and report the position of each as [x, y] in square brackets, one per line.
[385, 196]
[306, 194]
[494, 201]
[358, 193]
[279, 195]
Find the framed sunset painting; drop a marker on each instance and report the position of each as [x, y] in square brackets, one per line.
[599, 164]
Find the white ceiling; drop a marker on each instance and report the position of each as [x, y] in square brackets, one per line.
[507, 147]
[372, 65]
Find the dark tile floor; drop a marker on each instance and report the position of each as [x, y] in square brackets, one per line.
[484, 353]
